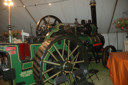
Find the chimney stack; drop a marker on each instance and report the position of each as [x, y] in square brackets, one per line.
[93, 12]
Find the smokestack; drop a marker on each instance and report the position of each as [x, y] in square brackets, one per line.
[93, 12]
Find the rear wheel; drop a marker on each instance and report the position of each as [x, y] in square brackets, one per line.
[57, 56]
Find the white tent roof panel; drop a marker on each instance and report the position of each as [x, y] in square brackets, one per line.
[66, 10]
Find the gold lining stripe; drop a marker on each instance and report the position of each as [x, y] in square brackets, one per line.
[90, 39]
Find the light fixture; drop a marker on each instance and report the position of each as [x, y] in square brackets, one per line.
[6, 4]
[9, 3]
[49, 4]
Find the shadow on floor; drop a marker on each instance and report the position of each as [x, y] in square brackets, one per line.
[103, 74]
[2, 82]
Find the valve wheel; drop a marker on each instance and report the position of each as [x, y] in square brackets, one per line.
[106, 52]
[45, 23]
[57, 56]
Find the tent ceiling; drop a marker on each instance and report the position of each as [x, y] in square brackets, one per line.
[66, 10]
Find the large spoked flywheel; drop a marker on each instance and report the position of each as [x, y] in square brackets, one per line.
[45, 23]
[57, 56]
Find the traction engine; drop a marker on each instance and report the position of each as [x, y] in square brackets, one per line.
[59, 48]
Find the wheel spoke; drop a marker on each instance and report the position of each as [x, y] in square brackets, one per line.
[63, 48]
[75, 57]
[42, 25]
[68, 48]
[53, 55]
[52, 76]
[73, 51]
[75, 68]
[47, 71]
[45, 21]
[58, 52]
[57, 64]
[54, 22]
[78, 62]
[48, 20]
[70, 76]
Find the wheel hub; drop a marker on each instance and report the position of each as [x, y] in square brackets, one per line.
[67, 66]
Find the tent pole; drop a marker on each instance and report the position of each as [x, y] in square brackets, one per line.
[28, 11]
[112, 15]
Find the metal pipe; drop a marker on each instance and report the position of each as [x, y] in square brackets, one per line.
[9, 15]
[9, 24]
[112, 16]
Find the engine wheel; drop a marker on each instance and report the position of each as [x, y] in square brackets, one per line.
[106, 52]
[45, 23]
[57, 56]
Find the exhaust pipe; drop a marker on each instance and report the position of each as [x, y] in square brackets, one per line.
[93, 12]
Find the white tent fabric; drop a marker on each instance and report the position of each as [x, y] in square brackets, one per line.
[66, 10]
[115, 39]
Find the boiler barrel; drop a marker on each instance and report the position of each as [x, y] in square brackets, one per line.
[97, 40]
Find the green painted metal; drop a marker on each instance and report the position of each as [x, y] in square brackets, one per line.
[53, 30]
[24, 72]
[94, 29]
[90, 39]
[27, 65]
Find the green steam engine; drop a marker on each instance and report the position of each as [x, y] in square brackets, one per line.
[58, 49]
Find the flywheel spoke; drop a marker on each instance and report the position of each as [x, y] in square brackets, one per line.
[48, 20]
[55, 22]
[45, 21]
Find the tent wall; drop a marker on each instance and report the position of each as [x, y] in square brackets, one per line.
[115, 39]
[67, 11]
